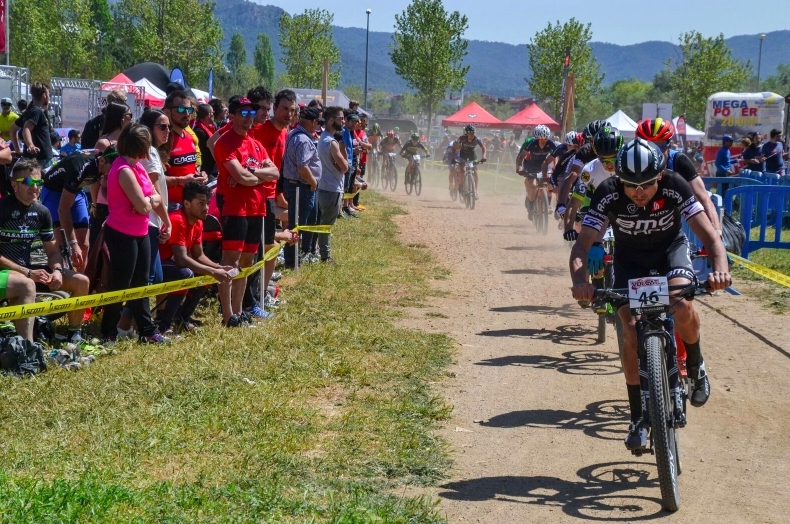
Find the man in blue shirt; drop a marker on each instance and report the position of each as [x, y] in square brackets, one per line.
[723, 159]
[773, 151]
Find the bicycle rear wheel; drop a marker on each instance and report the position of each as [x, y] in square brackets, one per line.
[417, 180]
[664, 435]
[470, 190]
[542, 211]
[408, 182]
[393, 176]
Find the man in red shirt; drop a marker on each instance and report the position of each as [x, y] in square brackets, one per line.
[182, 162]
[182, 257]
[244, 166]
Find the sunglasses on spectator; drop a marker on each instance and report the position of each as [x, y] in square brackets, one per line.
[30, 181]
[127, 115]
[5, 105]
[643, 185]
[246, 113]
[162, 127]
[183, 109]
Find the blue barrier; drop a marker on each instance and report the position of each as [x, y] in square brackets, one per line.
[764, 206]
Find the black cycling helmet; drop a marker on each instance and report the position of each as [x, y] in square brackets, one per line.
[639, 161]
[468, 128]
[593, 127]
[607, 141]
[415, 136]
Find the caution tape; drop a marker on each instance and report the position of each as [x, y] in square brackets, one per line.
[763, 271]
[348, 196]
[314, 229]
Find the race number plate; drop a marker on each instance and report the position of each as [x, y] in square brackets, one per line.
[648, 292]
[416, 157]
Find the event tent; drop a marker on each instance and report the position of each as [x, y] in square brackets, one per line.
[152, 96]
[624, 123]
[692, 134]
[531, 116]
[333, 98]
[472, 114]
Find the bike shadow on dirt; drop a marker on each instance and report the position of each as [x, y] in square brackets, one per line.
[566, 310]
[532, 247]
[603, 492]
[604, 420]
[578, 362]
[546, 271]
[569, 334]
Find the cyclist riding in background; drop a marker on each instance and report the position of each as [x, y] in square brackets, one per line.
[450, 159]
[531, 161]
[562, 156]
[584, 155]
[606, 144]
[375, 136]
[465, 145]
[411, 148]
[644, 205]
[660, 132]
[388, 143]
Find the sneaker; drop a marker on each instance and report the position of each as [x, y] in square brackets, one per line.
[256, 312]
[330, 261]
[184, 326]
[247, 320]
[637, 436]
[276, 276]
[700, 385]
[233, 322]
[350, 213]
[360, 207]
[156, 338]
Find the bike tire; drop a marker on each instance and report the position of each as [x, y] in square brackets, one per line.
[542, 221]
[393, 176]
[662, 433]
[471, 191]
[601, 329]
[618, 329]
[408, 182]
[417, 179]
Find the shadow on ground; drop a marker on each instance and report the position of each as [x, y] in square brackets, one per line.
[570, 334]
[580, 362]
[547, 271]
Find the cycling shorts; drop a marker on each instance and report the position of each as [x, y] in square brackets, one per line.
[242, 234]
[79, 209]
[671, 260]
[269, 223]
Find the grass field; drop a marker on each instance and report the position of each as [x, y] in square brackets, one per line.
[323, 414]
[774, 296]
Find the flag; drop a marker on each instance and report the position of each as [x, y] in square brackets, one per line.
[3, 26]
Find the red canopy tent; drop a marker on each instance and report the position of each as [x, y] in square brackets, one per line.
[472, 114]
[531, 116]
[124, 83]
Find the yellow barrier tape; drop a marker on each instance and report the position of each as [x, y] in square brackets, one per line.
[763, 271]
[314, 229]
[347, 196]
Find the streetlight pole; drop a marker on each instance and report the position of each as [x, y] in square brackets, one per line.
[367, 41]
[759, 60]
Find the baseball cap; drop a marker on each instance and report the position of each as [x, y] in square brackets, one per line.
[310, 113]
[6, 101]
[353, 116]
[237, 102]
[726, 138]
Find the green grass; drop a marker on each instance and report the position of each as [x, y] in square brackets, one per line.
[323, 414]
[772, 295]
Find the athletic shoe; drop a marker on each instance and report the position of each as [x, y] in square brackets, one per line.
[269, 302]
[637, 436]
[700, 385]
[233, 322]
[276, 276]
[350, 213]
[256, 312]
[182, 325]
[330, 261]
[247, 320]
[156, 338]
[360, 207]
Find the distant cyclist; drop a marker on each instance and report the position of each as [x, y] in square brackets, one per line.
[411, 148]
[530, 162]
[584, 155]
[465, 145]
[450, 159]
[562, 157]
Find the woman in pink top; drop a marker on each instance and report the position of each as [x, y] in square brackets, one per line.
[130, 197]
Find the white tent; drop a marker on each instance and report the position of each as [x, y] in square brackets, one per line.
[151, 89]
[691, 133]
[202, 96]
[624, 123]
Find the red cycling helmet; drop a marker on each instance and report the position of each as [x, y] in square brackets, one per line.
[655, 130]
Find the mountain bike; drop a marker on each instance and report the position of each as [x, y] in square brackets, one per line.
[542, 201]
[468, 183]
[413, 178]
[389, 173]
[668, 390]
[604, 309]
[373, 170]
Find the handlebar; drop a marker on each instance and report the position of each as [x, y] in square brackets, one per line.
[686, 290]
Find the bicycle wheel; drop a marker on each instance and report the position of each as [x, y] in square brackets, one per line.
[470, 190]
[393, 176]
[664, 436]
[542, 211]
[417, 180]
[601, 329]
[408, 182]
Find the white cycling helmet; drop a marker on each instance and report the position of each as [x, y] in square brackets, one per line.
[542, 131]
[574, 138]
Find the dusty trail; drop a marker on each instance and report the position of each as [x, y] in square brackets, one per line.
[539, 410]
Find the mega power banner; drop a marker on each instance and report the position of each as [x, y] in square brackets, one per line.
[738, 114]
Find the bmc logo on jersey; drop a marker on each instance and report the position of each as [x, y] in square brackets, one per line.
[658, 205]
[645, 226]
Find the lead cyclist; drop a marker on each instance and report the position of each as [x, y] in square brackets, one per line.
[530, 160]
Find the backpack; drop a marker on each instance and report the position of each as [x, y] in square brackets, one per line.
[21, 356]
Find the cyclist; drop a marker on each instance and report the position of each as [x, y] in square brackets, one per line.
[451, 158]
[644, 205]
[465, 145]
[411, 148]
[562, 156]
[532, 159]
[584, 155]
[606, 144]
[660, 132]
[388, 144]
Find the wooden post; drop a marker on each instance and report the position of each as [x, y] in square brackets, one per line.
[324, 81]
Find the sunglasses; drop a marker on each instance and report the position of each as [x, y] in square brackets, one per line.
[30, 181]
[608, 161]
[246, 113]
[127, 115]
[162, 127]
[5, 105]
[183, 109]
[643, 185]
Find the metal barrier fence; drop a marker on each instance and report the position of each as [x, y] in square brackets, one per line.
[764, 207]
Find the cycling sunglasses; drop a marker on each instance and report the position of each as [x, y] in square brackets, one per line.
[608, 160]
[183, 109]
[30, 181]
[246, 113]
[643, 185]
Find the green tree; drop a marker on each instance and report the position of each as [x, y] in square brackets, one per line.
[706, 67]
[628, 95]
[354, 92]
[379, 102]
[661, 89]
[547, 58]
[428, 49]
[264, 60]
[307, 40]
[778, 83]
[237, 54]
[594, 107]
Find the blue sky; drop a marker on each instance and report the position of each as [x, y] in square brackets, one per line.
[617, 21]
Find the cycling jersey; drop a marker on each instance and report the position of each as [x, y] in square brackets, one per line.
[562, 166]
[74, 172]
[536, 155]
[20, 225]
[389, 143]
[593, 175]
[584, 155]
[652, 226]
[467, 151]
[451, 156]
[682, 165]
[182, 162]
[412, 148]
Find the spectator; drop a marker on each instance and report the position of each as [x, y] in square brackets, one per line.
[182, 258]
[773, 152]
[74, 143]
[364, 146]
[93, 128]
[263, 97]
[183, 160]
[723, 159]
[752, 152]
[22, 220]
[204, 129]
[334, 165]
[171, 88]
[243, 168]
[220, 112]
[21, 105]
[353, 105]
[349, 139]
[302, 171]
[36, 129]
[7, 119]
[131, 196]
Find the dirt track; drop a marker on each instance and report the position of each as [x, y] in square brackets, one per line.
[540, 411]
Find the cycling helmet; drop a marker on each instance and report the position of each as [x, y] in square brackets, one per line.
[593, 127]
[607, 141]
[469, 128]
[639, 161]
[655, 130]
[574, 139]
[415, 137]
[390, 133]
[542, 131]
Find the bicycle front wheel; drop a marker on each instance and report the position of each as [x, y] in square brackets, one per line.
[470, 190]
[408, 182]
[417, 180]
[393, 176]
[662, 431]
